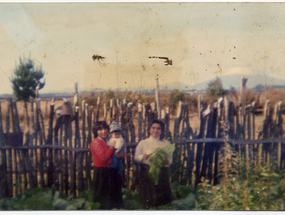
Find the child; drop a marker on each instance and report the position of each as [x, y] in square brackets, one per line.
[115, 131]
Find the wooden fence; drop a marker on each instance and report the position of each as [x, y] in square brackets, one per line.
[62, 158]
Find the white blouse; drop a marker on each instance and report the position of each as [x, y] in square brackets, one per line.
[147, 146]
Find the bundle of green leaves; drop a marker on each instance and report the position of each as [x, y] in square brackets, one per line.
[157, 159]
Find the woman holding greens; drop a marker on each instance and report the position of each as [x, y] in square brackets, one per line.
[153, 195]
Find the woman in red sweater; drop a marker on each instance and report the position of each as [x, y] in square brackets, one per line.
[107, 183]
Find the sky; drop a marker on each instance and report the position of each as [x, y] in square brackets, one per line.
[203, 40]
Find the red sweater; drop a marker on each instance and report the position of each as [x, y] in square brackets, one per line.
[101, 153]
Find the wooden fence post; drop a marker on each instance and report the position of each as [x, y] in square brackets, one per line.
[88, 156]
[144, 131]
[209, 148]
[167, 118]
[177, 153]
[140, 122]
[98, 107]
[9, 154]
[4, 191]
[33, 163]
[177, 121]
[219, 132]
[111, 111]
[49, 142]
[279, 133]
[266, 130]
[201, 135]
[131, 124]
[105, 111]
[157, 100]
[83, 116]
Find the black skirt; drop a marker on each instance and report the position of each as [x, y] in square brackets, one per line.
[152, 195]
[107, 188]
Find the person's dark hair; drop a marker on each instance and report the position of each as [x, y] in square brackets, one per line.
[98, 126]
[161, 125]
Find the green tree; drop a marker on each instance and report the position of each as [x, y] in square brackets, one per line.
[25, 80]
[215, 89]
[175, 97]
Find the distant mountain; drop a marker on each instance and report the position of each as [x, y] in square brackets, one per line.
[234, 80]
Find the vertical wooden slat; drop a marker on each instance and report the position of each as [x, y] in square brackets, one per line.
[177, 121]
[167, 119]
[83, 124]
[279, 132]
[10, 173]
[219, 134]
[157, 100]
[77, 140]
[16, 118]
[50, 177]
[105, 112]
[73, 173]
[144, 131]
[8, 117]
[140, 122]
[111, 111]
[68, 155]
[79, 157]
[3, 165]
[207, 166]
[12, 116]
[79, 166]
[89, 124]
[56, 151]
[33, 152]
[9, 154]
[266, 129]
[21, 158]
[200, 146]
[178, 147]
[16, 157]
[15, 174]
[98, 107]
[199, 107]
[65, 166]
[131, 126]
[61, 166]
[46, 112]
[42, 152]
[190, 162]
[88, 155]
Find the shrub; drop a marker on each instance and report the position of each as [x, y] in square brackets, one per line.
[215, 90]
[175, 97]
[48, 199]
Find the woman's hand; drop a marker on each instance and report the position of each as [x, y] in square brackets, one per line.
[145, 157]
[113, 145]
[119, 154]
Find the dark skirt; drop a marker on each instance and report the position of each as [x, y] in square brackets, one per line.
[154, 195]
[107, 188]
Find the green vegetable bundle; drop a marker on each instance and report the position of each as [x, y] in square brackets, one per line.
[156, 161]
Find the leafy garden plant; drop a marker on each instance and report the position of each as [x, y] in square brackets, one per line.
[243, 186]
[48, 199]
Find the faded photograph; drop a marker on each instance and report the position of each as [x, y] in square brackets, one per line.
[142, 106]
